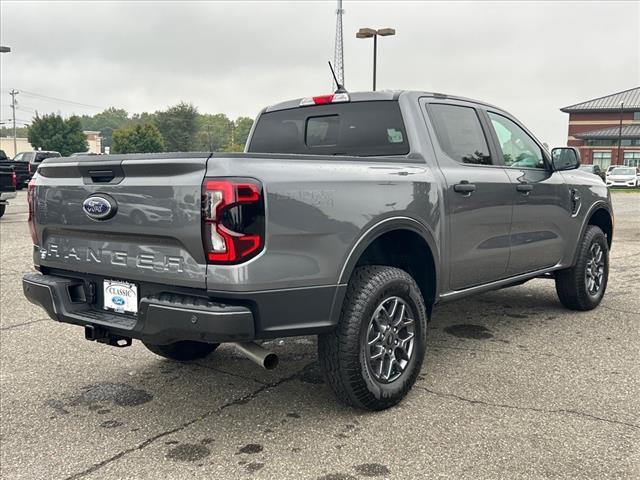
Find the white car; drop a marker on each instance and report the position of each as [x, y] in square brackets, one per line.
[624, 177]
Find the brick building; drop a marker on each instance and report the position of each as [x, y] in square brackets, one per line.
[594, 127]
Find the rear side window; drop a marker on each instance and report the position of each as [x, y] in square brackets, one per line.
[358, 129]
[40, 156]
[460, 134]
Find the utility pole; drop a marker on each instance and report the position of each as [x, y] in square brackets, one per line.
[620, 162]
[13, 94]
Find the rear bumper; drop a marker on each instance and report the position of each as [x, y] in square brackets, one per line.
[162, 319]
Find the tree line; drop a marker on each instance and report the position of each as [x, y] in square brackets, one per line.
[179, 128]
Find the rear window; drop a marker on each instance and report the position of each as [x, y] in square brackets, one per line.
[358, 129]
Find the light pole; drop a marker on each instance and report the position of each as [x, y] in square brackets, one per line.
[372, 32]
[620, 162]
[13, 94]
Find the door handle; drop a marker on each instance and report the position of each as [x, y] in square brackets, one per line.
[464, 187]
[524, 188]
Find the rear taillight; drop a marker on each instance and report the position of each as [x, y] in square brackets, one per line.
[232, 219]
[31, 199]
[29, 165]
[14, 179]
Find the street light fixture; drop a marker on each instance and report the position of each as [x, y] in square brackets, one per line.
[371, 32]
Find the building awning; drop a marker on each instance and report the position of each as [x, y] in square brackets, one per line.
[628, 132]
[609, 103]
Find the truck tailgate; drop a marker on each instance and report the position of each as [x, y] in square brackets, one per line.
[154, 234]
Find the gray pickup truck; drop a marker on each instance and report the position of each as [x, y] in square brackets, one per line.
[349, 216]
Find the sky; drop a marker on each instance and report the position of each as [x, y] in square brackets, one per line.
[530, 58]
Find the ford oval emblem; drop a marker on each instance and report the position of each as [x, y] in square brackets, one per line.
[99, 207]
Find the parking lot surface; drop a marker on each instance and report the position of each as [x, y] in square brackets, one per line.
[513, 386]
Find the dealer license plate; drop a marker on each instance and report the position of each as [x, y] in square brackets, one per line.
[121, 297]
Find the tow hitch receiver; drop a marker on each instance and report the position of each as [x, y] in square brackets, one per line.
[102, 335]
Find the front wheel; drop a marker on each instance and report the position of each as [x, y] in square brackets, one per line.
[582, 286]
[183, 351]
[373, 357]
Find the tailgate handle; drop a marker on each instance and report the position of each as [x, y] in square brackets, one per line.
[101, 176]
[103, 172]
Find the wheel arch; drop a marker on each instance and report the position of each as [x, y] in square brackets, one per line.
[600, 215]
[389, 242]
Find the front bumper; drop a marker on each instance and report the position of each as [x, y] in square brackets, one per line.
[622, 183]
[162, 319]
[4, 196]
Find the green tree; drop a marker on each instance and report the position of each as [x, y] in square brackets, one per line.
[214, 132]
[179, 127]
[21, 132]
[52, 132]
[138, 138]
[241, 133]
[106, 122]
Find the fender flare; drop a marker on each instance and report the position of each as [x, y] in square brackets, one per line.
[600, 204]
[380, 228]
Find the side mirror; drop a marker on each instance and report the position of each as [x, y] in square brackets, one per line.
[565, 158]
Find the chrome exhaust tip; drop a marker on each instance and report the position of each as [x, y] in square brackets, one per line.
[257, 354]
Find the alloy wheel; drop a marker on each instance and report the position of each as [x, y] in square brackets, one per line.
[594, 270]
[390, 339]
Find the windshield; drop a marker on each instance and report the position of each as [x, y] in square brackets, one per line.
[358, 129]
[623, 171]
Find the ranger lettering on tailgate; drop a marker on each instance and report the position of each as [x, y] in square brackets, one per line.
[156, 262]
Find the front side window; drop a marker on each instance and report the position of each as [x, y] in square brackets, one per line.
[518, 148]
[460, 134]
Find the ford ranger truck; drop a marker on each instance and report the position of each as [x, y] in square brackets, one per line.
[349, 216]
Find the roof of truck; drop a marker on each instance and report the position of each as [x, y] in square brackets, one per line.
[380, 95]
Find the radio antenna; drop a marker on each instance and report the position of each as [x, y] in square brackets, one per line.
[340, 88]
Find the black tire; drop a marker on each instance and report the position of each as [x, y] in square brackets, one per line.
[19, 187]
[3, 207]
[183, 351]
[572, 284]
[344, 355]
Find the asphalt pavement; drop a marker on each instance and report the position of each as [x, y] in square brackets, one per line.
[513, 386]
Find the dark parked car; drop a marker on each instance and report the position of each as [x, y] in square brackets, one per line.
[349, 216]
[7, 185]
[26, 164]
[596, 170]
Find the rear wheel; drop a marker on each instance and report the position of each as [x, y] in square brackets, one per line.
[183, 351]
[582, 286]
[2, 209]
[374, 356]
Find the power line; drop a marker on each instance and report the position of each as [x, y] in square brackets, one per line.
[58, 100]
